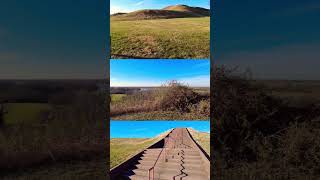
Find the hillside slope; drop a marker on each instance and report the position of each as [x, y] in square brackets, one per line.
[198, 11]
[177, 11]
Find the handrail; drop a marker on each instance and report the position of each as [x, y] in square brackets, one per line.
[171, 142]
[152, 168]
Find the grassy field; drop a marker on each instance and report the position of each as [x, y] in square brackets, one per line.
[61, 139]
[161, 38]
[24, 112]
[202, 138]
[117, 97]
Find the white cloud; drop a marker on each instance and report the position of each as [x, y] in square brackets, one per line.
[117, 9]
[139, 3]
[197, 81]
[141, 83]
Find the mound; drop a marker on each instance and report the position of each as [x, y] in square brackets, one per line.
[178, 11]
[118, 14]
[194, 10]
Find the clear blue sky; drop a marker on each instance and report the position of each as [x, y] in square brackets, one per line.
[132, 5]
[146, 73]
[52, 39]
[150, 129]
[275, 39]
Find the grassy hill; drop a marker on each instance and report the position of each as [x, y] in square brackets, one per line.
[175, 32]
[177, 11]
[196, 11]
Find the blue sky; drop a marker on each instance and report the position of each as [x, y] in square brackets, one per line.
[275, 39]
[52, 39]
[146, 73]
[132, 5]
[149, 129]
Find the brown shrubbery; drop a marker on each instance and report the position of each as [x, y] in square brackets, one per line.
[257, 135]
[175, 97]
[172, 96]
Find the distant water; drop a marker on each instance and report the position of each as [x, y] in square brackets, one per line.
[148, 129]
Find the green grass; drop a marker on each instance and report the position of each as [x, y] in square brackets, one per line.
[24, 112]
[117, 97]
[161, 38]
[122, 148]
[202, 138]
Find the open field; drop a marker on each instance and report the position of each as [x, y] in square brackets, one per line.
[117, 97]
[169, 102]
[307, 91]
[161, 38]
[49, 124]
[202, 138]
[25, 112]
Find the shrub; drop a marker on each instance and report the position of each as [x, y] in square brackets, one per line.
[201, 108]
[240, 111]
[300, 148]
[175, 96]
[257, 135]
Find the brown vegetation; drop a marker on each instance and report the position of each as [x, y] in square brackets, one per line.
[257, 135]
[171, 97]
